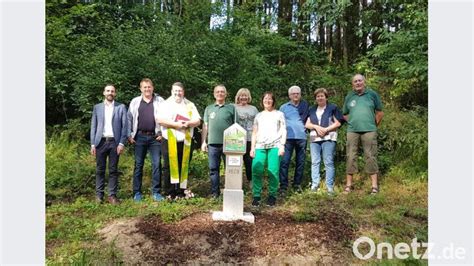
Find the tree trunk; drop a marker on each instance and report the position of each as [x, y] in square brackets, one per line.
[365, 32]
[329, 42]
[267, 9]
[351, 40]
[321, 33]
[228, 12]
[303, 22]
[345, 48]
[377, 22]
[284, 17]
[179, 8]
[338, 43]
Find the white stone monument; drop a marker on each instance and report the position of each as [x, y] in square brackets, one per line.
[235, 143]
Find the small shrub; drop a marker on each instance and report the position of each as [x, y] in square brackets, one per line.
[403, 139]
[70, 169]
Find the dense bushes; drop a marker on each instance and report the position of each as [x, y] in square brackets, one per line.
[93, 44]
[403, 139]
[89, 45]
[70, 169]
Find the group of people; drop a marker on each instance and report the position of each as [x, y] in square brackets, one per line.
[162, 128]
[165, 128]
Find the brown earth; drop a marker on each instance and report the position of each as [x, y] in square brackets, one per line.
[275, 238]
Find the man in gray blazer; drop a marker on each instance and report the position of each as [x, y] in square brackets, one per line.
[108, 136]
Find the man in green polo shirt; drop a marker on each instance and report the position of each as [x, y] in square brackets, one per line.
[217, 118]
[363, 112]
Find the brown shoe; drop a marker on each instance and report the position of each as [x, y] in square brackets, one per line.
[114, 200]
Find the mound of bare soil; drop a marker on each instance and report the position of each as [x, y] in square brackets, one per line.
[275, 237]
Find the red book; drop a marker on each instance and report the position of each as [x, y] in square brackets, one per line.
[180, 118]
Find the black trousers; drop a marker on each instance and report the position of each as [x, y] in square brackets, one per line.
[248, 162]
[172, 189]
[106, 149]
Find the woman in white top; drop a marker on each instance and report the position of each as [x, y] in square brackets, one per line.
[245, 115]
[268, 145]
[323, 121]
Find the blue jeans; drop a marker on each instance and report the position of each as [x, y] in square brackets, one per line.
[326, 148]
[299, 145]
[215, 154]
[143, 144]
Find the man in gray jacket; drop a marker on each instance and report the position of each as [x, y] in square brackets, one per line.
[108, 135]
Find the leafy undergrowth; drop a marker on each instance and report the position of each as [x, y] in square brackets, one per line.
[304, 228]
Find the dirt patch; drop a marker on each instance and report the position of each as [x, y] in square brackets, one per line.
[126, 236]
[276, 237]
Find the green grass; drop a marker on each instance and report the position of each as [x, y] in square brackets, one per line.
[398, 213]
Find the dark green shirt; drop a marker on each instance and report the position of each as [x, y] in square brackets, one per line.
[361, 110]
[218, 118]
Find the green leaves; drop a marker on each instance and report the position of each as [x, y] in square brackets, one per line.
[403, 57]
[89, 45]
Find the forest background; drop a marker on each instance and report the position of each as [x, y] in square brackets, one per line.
[260, 45]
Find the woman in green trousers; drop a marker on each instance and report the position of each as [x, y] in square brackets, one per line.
[268, 145]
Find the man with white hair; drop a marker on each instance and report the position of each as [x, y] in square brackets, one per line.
[363, 112]
[296, 112]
